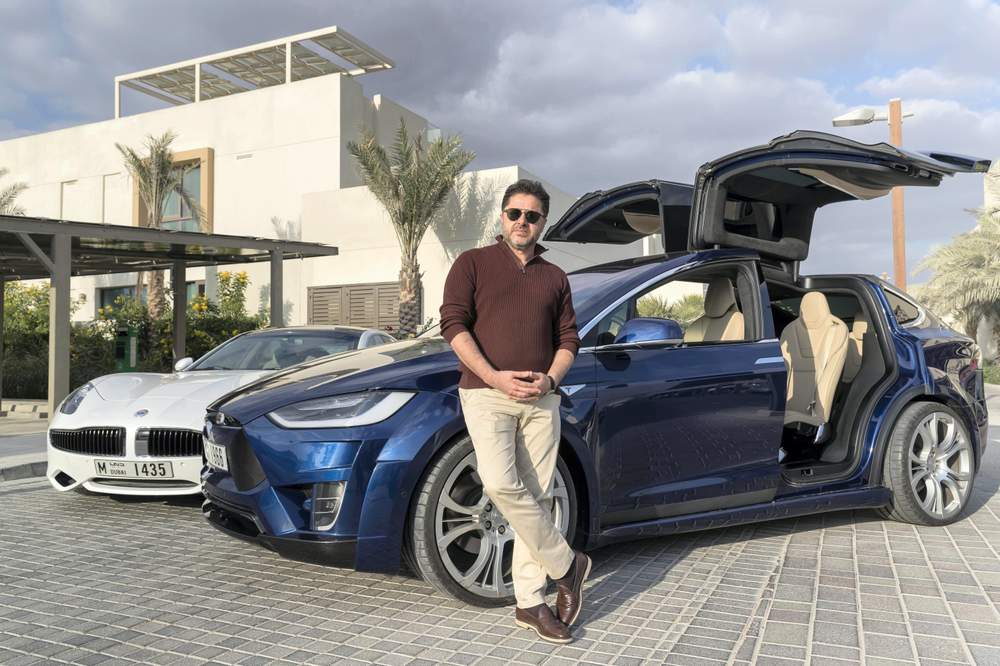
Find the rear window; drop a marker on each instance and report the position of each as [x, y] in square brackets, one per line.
[904, 311]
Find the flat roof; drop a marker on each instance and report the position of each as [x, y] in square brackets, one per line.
[330, 50]
[99, 249]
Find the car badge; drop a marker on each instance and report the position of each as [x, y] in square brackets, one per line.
[142, 412]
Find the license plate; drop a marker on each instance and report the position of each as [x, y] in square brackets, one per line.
[216, 456]
[133, 469]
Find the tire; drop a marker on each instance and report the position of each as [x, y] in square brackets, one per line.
[929, 466]
[482, 531]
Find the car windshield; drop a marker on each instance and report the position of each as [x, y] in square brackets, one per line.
[276, 351]
[591, 287]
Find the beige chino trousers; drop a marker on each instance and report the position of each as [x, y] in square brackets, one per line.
[517, 445]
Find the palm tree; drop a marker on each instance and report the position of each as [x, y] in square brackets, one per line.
[8, 195]
[157, 178]
[966, 280]
[412, 184]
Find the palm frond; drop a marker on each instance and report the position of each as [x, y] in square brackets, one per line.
[9, 194]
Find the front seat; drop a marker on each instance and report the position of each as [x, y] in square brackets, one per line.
[814, 347]
[722, 321]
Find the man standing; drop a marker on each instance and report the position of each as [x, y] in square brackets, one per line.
[508, 314]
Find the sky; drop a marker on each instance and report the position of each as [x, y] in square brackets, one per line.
[585, 94]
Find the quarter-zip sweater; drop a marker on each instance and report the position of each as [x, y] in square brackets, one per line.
[518, 314]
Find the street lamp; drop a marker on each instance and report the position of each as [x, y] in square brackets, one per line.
[866, 115]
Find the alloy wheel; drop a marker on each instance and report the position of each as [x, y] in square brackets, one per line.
[474, 540]
[940, 463]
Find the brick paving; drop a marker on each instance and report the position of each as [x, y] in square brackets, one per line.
[91, 579]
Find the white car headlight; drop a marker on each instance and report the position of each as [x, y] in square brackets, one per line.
[73, 400]
[341, 411]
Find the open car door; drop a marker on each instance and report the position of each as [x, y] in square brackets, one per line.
[765, 198]
[627, 213]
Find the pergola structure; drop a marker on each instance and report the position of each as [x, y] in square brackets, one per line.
[306, 55]
[39, 248]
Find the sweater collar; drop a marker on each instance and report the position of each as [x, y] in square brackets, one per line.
[539, 248]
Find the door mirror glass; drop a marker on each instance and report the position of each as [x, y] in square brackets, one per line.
[183, 364]
[649, 329]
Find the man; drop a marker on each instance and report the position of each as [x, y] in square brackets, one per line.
[508, 314]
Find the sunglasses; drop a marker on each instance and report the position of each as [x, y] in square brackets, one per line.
[531, 216]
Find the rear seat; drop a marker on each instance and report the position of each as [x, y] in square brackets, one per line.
[814, 347]
[855, 344]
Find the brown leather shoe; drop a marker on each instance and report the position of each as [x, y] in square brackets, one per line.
[570, 599]
[541, 619]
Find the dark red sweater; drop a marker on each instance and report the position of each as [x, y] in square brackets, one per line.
[518, 315]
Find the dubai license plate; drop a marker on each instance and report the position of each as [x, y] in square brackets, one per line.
[133, 469]
[216, 456]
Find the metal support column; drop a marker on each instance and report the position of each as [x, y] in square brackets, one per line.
[2, 285]
[178, 283]
[59, 326]
[277, 290]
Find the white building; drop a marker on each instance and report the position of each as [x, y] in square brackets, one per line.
[267, 128]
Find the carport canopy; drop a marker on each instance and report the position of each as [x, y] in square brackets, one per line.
[40, 248]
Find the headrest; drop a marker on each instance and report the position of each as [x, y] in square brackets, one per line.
[814, 311]
[859, 328]
[720, 297]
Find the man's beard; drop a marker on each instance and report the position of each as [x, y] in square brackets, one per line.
[520, 245]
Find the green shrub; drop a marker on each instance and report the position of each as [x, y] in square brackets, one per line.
[92, 344]
[991, 374]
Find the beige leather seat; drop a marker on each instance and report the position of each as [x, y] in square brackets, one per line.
[722, 320]
[855, 345]
[814, 347]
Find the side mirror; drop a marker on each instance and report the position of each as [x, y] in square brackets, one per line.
[649, 330]
[183, 364]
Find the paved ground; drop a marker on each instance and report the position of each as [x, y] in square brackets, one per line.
[84, 579]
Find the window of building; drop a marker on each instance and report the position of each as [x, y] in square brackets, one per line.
[199, 178]
[195, 289]
[177, 215]
[106, 296]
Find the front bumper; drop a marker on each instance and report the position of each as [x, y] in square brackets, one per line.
[67, 471]
[236, 522]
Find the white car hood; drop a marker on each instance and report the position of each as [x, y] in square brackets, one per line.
[176, 400]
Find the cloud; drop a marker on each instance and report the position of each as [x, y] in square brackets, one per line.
[586, 94]
[932, 83]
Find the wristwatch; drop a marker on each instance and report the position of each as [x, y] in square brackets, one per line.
[553, 384]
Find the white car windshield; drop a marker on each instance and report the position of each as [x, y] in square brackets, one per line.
[275, 351]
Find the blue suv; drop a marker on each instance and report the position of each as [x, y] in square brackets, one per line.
[715, 386]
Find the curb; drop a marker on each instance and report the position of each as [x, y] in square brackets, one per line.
[23, 471]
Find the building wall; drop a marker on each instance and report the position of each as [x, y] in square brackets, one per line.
[281, 170]
[354, 221]
[271, 146]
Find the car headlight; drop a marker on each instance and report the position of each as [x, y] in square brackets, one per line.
[73, 400]
[341, 411]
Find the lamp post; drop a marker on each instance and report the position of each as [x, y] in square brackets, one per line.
[895, 116]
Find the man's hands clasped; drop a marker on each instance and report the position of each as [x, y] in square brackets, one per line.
[522, 385]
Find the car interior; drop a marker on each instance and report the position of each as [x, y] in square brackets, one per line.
[707, 304]
[834, 360]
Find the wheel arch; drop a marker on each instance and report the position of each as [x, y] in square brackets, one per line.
[911, 397]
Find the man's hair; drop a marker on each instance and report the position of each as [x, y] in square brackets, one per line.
[525, 186]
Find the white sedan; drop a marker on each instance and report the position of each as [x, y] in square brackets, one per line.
[139, 433]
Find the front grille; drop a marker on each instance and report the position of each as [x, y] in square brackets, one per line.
[91, 441]
[167, 443]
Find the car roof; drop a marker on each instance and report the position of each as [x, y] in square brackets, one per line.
[307, 330]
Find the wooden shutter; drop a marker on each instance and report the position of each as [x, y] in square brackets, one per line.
[325, 305]
[374, 305]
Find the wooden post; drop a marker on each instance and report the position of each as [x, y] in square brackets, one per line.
[898, 221]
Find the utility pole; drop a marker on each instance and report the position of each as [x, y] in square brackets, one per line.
[898, 220]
